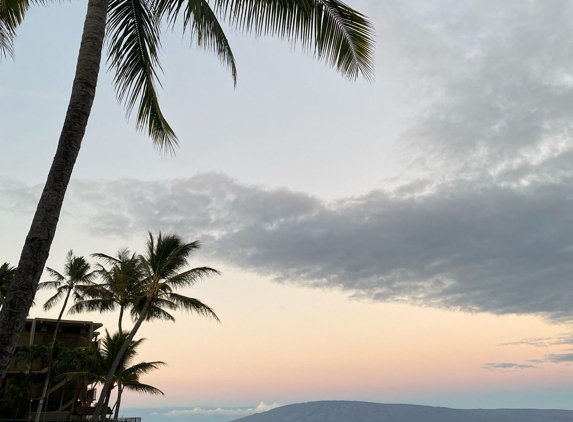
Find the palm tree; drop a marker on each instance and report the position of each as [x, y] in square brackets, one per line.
[161, 267]
[341, 36]
[125, 377]
[6, 276]
[77, 273]
[119, 287]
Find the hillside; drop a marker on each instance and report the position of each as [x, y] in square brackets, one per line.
[354, 411]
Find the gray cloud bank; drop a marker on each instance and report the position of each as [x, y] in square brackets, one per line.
[465, 246]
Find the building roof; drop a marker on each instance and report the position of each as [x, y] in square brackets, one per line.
[51, 321]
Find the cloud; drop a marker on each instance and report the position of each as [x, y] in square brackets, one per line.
[17, 197]
[559, 357]
[485, 249]
[497, 249]
[566, 338]
[532, 363]
[200, 411]
[499, 85]
[506, 366]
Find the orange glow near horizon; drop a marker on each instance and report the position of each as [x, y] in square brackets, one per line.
[279, 341]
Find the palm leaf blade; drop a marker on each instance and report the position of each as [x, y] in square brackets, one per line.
[11, 15]
[133, 54]
[203, 26]
[342, 37]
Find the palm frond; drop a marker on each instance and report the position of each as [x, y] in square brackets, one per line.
[134, 44]
[11, 16]
[192, 305]
[138, 387]
[341, 36]
[58, 278]
[156, 313]
[49, 285]
[51, 302]
[112, 343]
[6, 275]
[92, 305]
[190, 277]
[142, 368]
[94, 291]
[204, 28]
[122, 255]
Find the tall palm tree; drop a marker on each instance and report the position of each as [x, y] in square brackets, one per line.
[77, 273]
[119, 288]
[163, 273]
[338, 34]
[126, 376]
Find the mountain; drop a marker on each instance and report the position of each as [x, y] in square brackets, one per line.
[356, 411]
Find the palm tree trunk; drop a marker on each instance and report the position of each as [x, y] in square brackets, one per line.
[117, 360]
[39, 239]
[76, 395]
[118, 402]
[120, 319]
[61, 401]
[28, 369]
[29, 409]
[46, 407]
[50, 356]
[17, 409]
[106, 404]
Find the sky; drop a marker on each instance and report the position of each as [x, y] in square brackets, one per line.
[407, 240]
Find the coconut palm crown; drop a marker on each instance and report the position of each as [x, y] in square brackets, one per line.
[120, 278]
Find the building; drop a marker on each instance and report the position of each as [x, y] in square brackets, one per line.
[63, 391]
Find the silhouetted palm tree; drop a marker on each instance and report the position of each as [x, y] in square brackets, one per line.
[77, 273]
[126, 375]
[162, 273]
